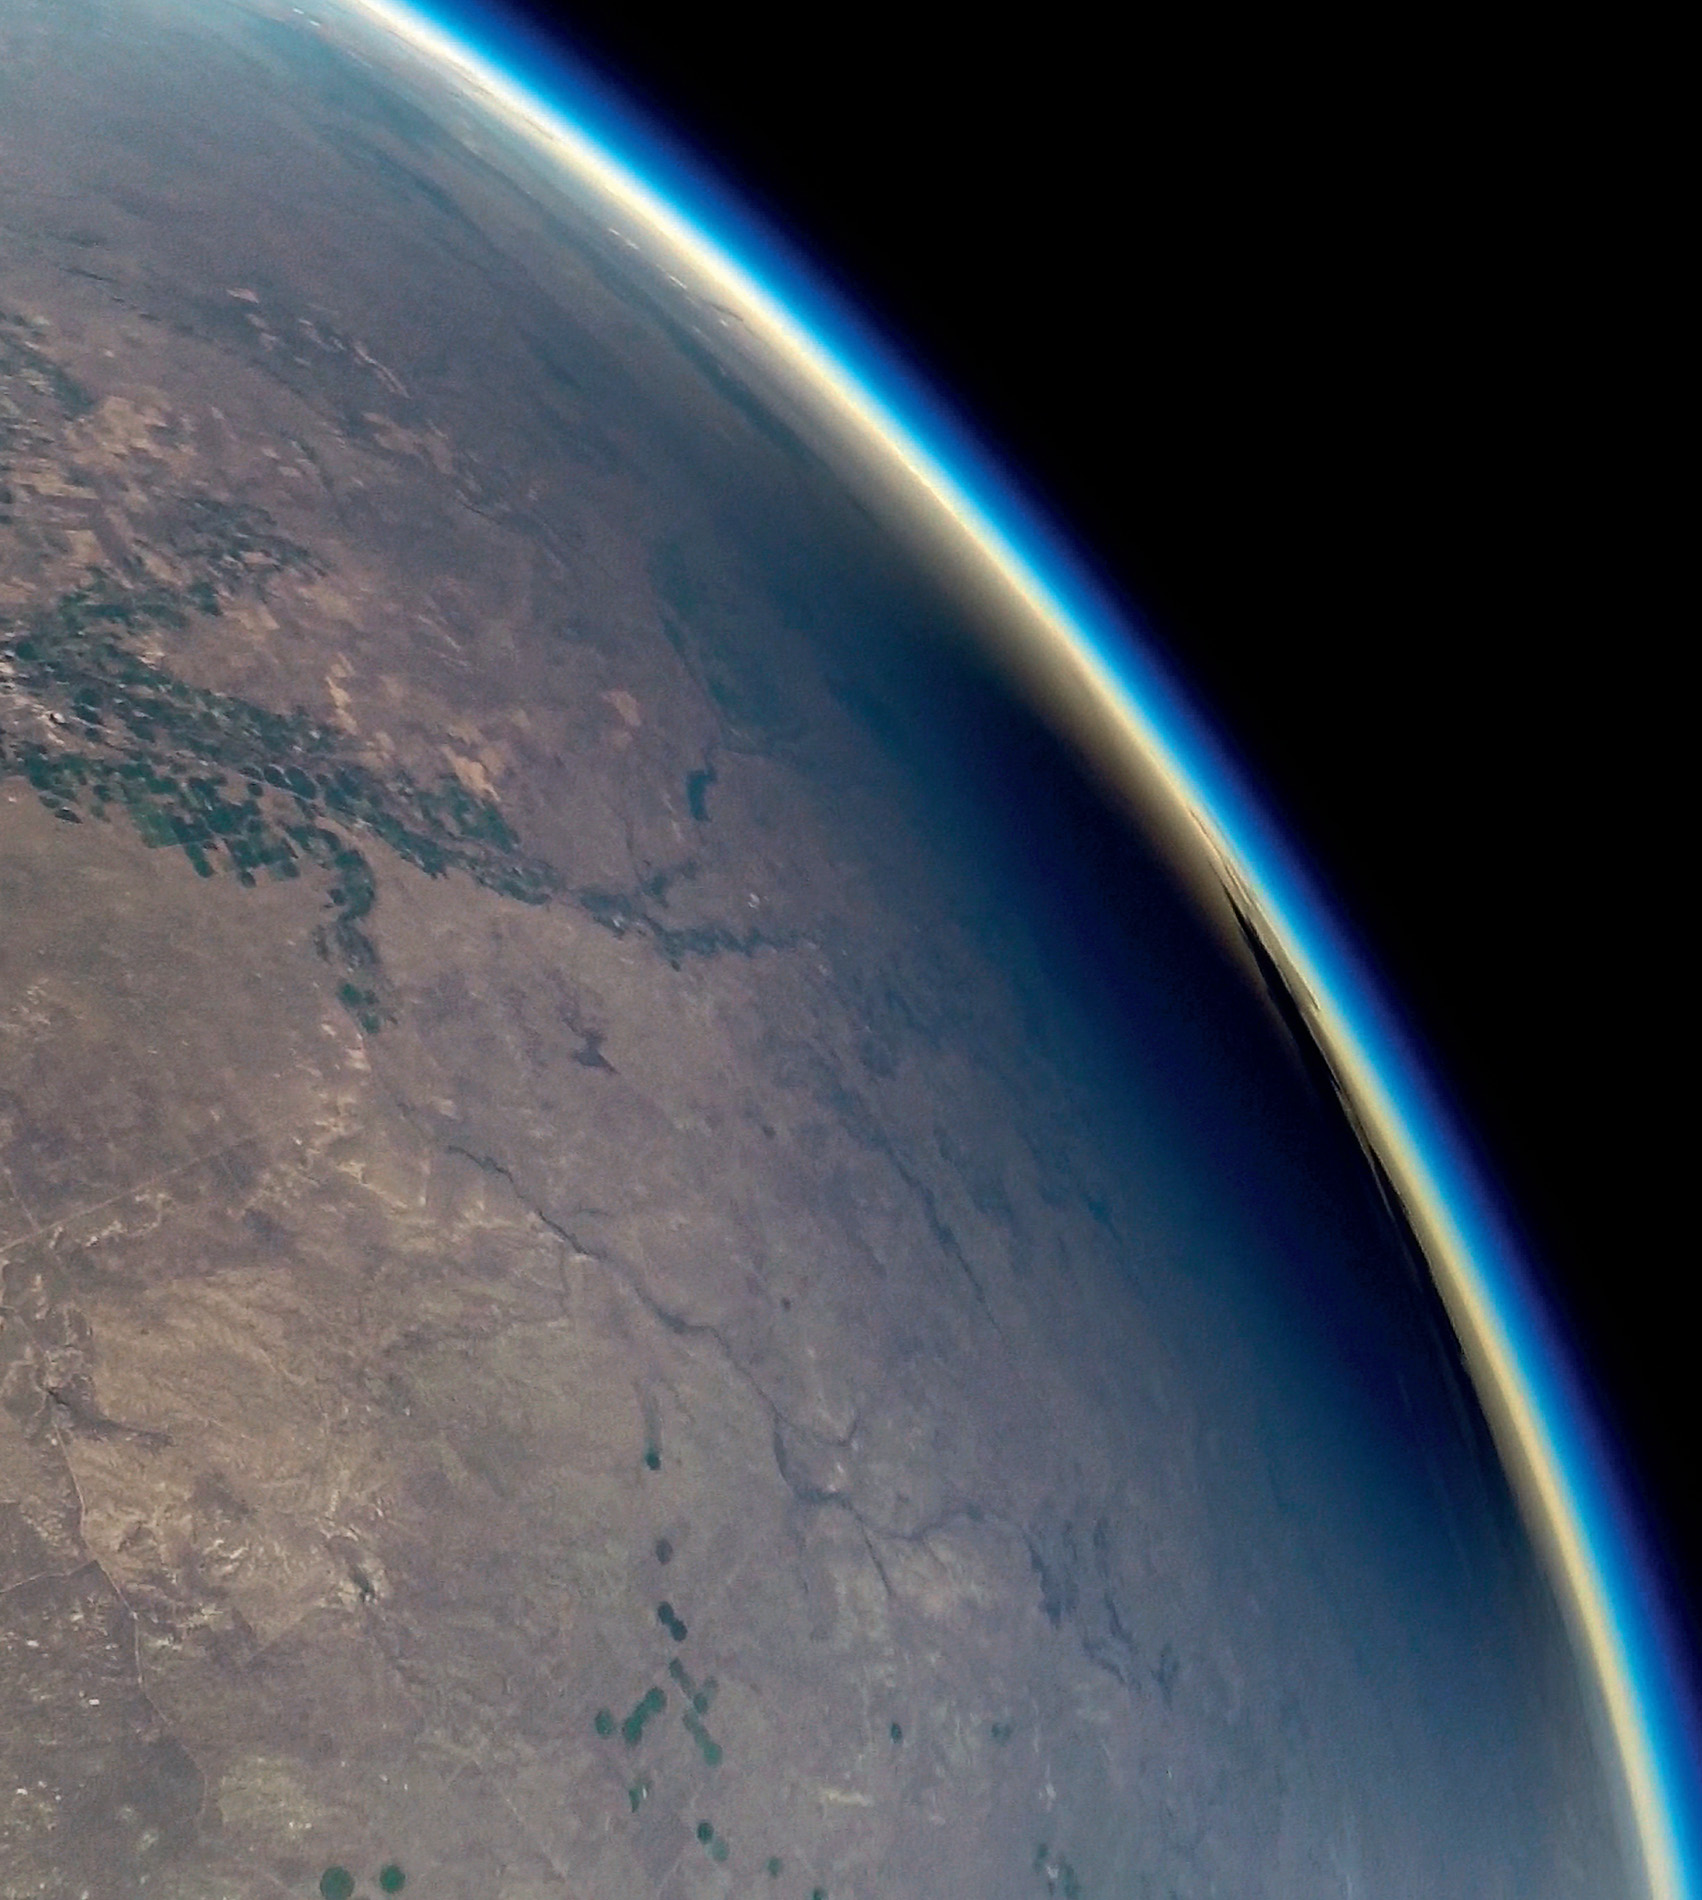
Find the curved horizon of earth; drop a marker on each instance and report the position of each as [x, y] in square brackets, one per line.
[617, 1276]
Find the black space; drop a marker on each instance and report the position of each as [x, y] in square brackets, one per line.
[1337, 357]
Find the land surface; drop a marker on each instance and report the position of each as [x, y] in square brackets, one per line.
[582, 1309]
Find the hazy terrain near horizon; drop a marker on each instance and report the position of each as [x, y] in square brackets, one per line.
[618, 1275]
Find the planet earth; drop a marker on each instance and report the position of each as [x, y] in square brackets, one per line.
[617, 1275]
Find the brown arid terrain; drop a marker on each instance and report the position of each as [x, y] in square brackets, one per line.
[583, 1312]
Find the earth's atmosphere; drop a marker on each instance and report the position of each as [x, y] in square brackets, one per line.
[615, 1282]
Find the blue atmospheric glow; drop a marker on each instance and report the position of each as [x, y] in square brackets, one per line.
[1624, 1556]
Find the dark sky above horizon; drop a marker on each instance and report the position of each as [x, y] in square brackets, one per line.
[1314, 348]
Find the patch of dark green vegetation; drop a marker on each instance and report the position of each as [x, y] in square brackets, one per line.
[1165, 1671]
[70, 394]
[635, 912]
[774, 1867]
[700, 1699]
[700, 1696]
[1001, 1732]
[612, 909]
[697, 792]
[652, 1458]
[1060, 1876]
[362, 1005]
[896, 1732]
[667, 1616]
[96, 727]
[638, 1793]
[336, 1883]
[707, 1746]
[620, 912]
[235, 545]
[652, 1702]
[391, 1878]
[664, 1551]
[604, 1722]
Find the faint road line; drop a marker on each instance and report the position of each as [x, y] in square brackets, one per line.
[55, 1228]
[24, 1206]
